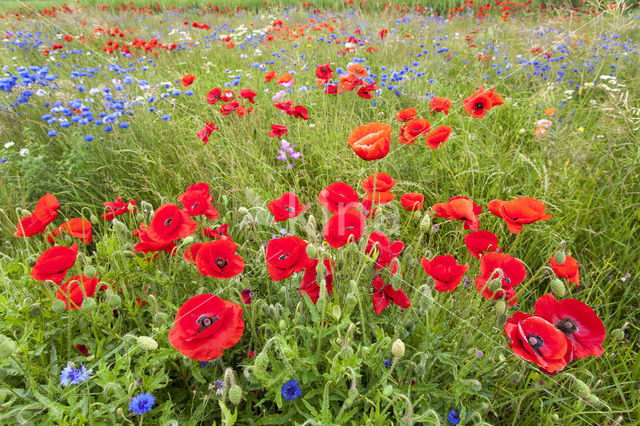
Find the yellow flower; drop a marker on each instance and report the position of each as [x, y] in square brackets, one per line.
[581, 129]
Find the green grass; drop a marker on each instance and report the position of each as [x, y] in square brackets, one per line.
[586, 169]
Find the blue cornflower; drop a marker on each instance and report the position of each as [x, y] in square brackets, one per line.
[142, 403]
[166, 117]
[291, 390]
[123, 125]
[73, 376]
[387, 363]
[52, 133]
[88, 138]
[454, 417]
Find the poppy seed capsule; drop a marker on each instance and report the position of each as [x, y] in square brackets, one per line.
[147, 343]
[560, 257]
[235, 394]
[557, 288]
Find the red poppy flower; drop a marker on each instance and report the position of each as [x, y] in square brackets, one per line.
[205, 132]
[331, 89]
[309, 282]
[577, 321]
[285, 78]
[324, 71]
[481, 242]
[568, 270]
[54, 263]
[299, 112]
[536, 340]
[445, 271]
[519, 211]
[228, 95]
[219, 233]
[248, 94]
[415, 128]
[286, 207]
[148, 244]
[459, 208]
[496, 99]
[440, 104]
[412, 201]
[191, 253]
[513, 273]
[438, 137]
[477, 104]
[278, 130]
[406, 114]
[218, 259]
[338, 196]
[283, 105]
[384, 294]
[270, 76]
[197, 203]
[78, 228]
[205, 325]
[344, 227]
[188, 79]
[229, 107]
[214, 96]
[117, 208]
[383, 33]
[365, 92]
[46, 211]
[286, 256]
[73, 292]
[387, 250]
[169, 223]
[378, 182]
[371, 141]
[246, 296]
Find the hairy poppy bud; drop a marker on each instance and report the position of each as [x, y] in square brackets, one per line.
[516, 377]
[475, 385]
[119, 226]
[131, 208]
[560, 257]
[387, 391]
[617, 334]
[35, 310]
[555, 418]
[90, 271]
[581, 388]
[311, 228]
[425, 223]
[593, 400]
[146, 207]
[31, 260]
[235, 394]
[140, 217]
[336, 311]
[261, 363]
[500, 306]
[353, 392]
[467, 339]
[364, 350]
[557, 287]
[89, 304]
[495, 285]
[188, 240]
[147, 343]
[93, 219]
[113, 299]
[397, 349]
[282, 325]
[7, 346]
[243, 211]
[351, 299]
[312, 252]
[58, 306]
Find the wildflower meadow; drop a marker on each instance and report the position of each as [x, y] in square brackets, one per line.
[319, 213]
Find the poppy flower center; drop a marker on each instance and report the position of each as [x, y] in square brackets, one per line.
[283, 256]
[195, 205]
[349, 228]
[221, 263]
[479, 105]
[567, 326]
[206, 321]
[323, 69]
[168, 222]
[536, 342]
[290, 209]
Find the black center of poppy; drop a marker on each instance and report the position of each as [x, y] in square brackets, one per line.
[195, 205]
[323, 69]
[567, 326]
[168, 221]
[507, 281]
[290, 209]
[349, 228]
[283, 256]
[221, 263]
[206, 321]
[479, 105]
[536, 342]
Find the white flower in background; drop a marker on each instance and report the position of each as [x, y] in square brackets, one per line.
[9, 145]
[23, 152]
[40, 92]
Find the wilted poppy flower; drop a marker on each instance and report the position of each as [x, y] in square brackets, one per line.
[568, 269]
[440, 104]
[117, 208]
[536, 340]
[481, 242]
[513, 273]
[286, 207]
[577, 321]
[45, 212]
[214, 96]
[170, 223]
[412, 201]
[286, 256]
[246, 297]
[197, 203]
[218, 259]
[324, 71]
[445, 271]
[338, 196]
[75, 289]
[459, 208]
[406, 114]
[205, 132]
[248, 94]
[54, 263]
[344, 227]
[384, 294]
[518, 212]
[387, 250]
[270, 76]
[438, 137]
[309, 282]
[371, 141]
[205, 325]
[79, 228]
[187, 80]
[191, 252]
[278, 130]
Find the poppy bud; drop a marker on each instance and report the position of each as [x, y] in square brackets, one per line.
[581, 388]
[146, 207]
[90, 271]
[131, 208]
[235, 394]
[312, 252]
[364, 350]
[311, 228]
[351, 299]
[58, 306]
[557, 287]
[113, 299]
[516, 377]
[467, 339]
[282, 325]
[89, 304]
[243, 211]
[7, 346]
[617, 334]
[35, 310]
[475, 385]
[140, 217]
[119, 226]
[160, 318]
[425, 223]
[560, 257]
[261, 363]
[495, 285]
[397, 349]
[388, 390]
[128, 253]
[396, 281]
[471, 352]
[593, 400]
[188, 240]
[555, 418]
[337, 312]
[67, 239]
[93, 219]
[338, 340]
[500, 306]
[147, 343]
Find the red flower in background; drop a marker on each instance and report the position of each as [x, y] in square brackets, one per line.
[309, 282]
[324, 71]
[406, 114]
[331, 89]
[299, 112]
[344, 227]
[568, 269]
[117, 208]
[191, 253]
[338, 196]
[377, 187]
[221, 232]
[438, 137]
[54, 263]
[73, 292]
[383, 33]
[384, 294]
[46, 211]
[169, 223]
[445, 271]
[286, 207]
[371, 141]
[187, 80]
[536, 340]
[205, 132]
[248, 94]
[78, 228]
[387, 250]
[214, 96]
[270, 76]
[513, 273]
[365, 92]
[148, 244]
[278, 130]
[412, 201]
[218, 259]
[477, 104]
[519, 211]
[459, 208]
[286, 256]
[481, 242]
[205, 325]
[197, 201]
[415, 128]
[577, 321]
[440, 104]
